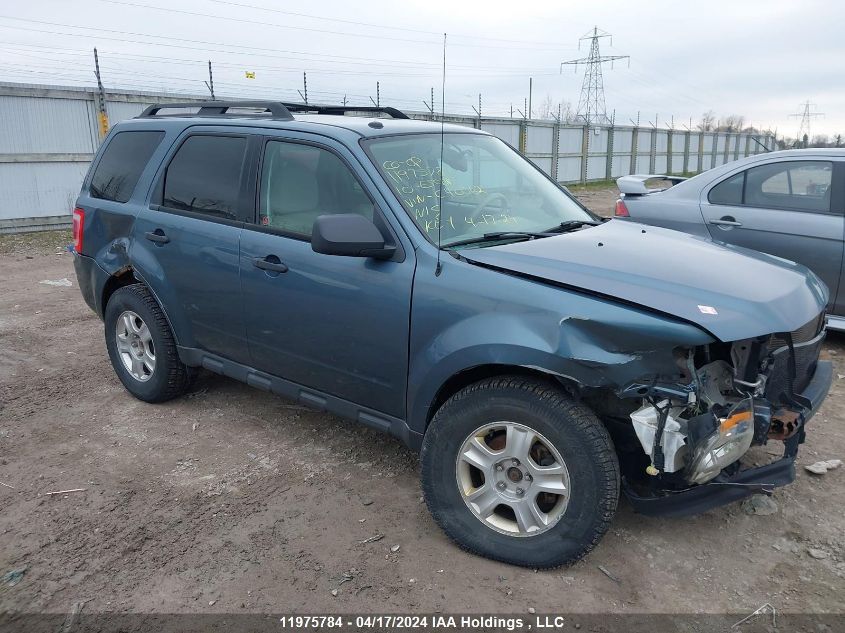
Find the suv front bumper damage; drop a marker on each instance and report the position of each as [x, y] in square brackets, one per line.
[726, 489]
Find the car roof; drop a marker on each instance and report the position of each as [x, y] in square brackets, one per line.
[810, 151]
[325, 124]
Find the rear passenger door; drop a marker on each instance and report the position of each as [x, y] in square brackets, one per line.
[186, 241]
[335, 324]
[789, 208]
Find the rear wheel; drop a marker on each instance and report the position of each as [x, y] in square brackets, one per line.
[141, 346]
[514, 469]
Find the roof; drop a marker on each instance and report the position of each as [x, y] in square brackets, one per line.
[303, 117]
[810, 151]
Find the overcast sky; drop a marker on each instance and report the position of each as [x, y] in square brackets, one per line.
[759, 59]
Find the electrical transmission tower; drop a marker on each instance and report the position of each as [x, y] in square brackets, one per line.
[591, 106]
[806, 116]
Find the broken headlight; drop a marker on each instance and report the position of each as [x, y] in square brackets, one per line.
[727, 439]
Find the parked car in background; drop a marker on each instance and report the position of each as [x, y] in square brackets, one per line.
[429, 281]
[789, 203]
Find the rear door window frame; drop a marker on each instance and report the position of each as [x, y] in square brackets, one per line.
[837, 186]
[245, 209]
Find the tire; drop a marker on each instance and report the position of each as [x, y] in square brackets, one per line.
[162, 375]
[543, 413]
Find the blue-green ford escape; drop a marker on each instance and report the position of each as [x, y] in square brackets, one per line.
[428, 281]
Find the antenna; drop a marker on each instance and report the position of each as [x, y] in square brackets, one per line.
[439, 266]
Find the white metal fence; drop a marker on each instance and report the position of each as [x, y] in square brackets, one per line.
[49, 134]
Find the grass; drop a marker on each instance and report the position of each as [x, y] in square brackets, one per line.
[36, 243]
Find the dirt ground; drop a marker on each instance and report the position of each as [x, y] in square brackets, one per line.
[600, 198]
[234, 500]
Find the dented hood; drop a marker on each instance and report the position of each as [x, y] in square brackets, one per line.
[731, 292]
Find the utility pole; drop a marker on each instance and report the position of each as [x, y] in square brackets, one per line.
[478, 112]
[344, 101]
[428, 107]
[210, 83]
[377, 102]
[304, 95]
[806, 117]
[530, 94]
[591, 104]
[102, 115]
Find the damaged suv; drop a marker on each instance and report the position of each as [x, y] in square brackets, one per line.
[428, 281]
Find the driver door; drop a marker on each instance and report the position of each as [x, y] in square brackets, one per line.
[335, 324]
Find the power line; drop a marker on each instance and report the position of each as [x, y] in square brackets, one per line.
[311, 29]
[377, 26]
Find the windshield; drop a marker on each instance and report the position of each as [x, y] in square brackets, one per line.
[487, 187]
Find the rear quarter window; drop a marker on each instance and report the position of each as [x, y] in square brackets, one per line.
[121, 165]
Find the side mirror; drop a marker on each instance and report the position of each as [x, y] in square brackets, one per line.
[349, 234]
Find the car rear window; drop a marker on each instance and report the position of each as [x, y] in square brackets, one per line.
[121, 165]
[205, 174]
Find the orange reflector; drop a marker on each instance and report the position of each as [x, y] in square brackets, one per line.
[731, 421]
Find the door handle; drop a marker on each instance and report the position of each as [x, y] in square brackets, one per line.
[271, 263]
[157, 236]
[726, 221]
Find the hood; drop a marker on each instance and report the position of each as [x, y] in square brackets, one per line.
[731, 292]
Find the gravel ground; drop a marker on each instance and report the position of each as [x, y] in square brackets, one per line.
[232, 500]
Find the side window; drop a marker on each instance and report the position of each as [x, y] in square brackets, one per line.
[204, 176]
[123, 160]
[728, 191]
[300, 182]
[800, 185]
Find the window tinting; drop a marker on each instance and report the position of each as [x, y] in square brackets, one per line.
[801, 185]
[300, 182]
[204, 176]
[728, 191]
[123, 160]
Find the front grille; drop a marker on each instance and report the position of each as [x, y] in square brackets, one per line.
[806, 332]
[807, 342]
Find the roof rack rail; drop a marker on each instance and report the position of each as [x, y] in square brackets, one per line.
[276, 109]
[336, 109]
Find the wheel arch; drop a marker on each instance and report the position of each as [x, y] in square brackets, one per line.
[128, 276]
[471, 375]
[123, 277]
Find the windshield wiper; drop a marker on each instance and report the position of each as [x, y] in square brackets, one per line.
[571, 225]
[498, 235]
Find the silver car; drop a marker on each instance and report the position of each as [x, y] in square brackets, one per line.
[789, 203]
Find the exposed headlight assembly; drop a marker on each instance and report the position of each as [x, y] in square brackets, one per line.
[726, 440]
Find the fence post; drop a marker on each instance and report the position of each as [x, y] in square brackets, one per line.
[608, 167]
[523, 131]
[669, 151]
[686, 151]
[635, 132]
[714, 150]
[727, 146]
[555, 149]
[585, 148]
[700, 167]
[653, 153]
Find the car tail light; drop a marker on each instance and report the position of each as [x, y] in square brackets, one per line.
[78, 227]
[621, 210]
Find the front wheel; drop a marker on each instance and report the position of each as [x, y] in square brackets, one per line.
[516, 470]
